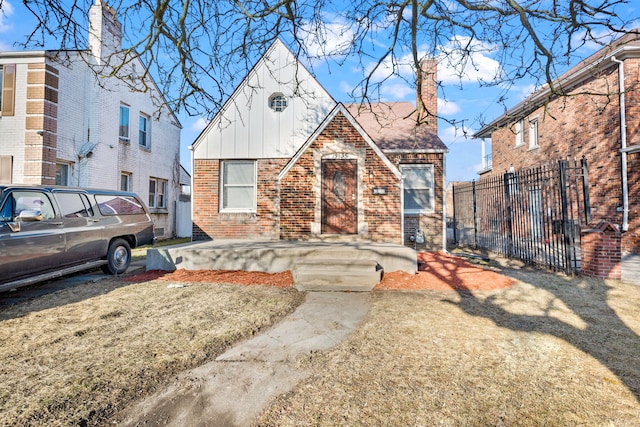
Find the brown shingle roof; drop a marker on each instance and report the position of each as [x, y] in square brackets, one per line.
[392, 126]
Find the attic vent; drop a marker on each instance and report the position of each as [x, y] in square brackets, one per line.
[277, 102]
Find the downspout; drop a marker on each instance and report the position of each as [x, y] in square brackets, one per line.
[402, 207]
[623, 138]
[444, 203]
[193, 165]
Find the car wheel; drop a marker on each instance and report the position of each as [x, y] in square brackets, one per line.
[118, 257]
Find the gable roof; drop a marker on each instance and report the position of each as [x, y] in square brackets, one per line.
[392, 125]
[627, 46]
[245, 116]
[340, 108]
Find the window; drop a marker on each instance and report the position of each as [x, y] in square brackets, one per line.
[520, 132]
[7, 89]
[118, 205]
[62, 174]
[30, 203]
[123, 131]
[144, 131]
[73, 205]
[533, 133]
[418, 188]
[125, 181]
[277, 102]
[238, 189]
[157, 193]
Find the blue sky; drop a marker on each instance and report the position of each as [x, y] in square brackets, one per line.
[462, 100]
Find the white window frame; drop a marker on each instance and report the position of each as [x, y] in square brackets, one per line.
[124, 136]
[278, 102]
[158, 197]
[430, 170]
[127, 178]
[224, 184]
[519, 130]
[67, 175]
[533, 133]
[144, 135]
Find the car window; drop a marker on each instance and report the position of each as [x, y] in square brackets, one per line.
[118, 205]
[73, 205]
[32, 202]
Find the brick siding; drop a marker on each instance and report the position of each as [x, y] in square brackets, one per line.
[210, 223]
[587, 125]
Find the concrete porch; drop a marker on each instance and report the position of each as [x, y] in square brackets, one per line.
[315, 265]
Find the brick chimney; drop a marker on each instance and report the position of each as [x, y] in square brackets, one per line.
[427, 91]
[105, 32]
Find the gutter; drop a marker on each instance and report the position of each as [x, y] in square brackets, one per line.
[537, 99]
[623, 150]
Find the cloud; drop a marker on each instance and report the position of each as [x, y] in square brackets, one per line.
[199, 124]
[395, 90]
[462, 61]
[447, 108]
[332, 38]
[5, 12]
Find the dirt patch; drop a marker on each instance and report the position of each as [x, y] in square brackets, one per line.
[442, 272]
[281, 280]
[437, 271]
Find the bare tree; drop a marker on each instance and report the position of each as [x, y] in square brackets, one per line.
[199, 50]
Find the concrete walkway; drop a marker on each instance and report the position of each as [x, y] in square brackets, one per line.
[235, 388]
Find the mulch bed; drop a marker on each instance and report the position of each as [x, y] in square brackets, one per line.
[437, 271]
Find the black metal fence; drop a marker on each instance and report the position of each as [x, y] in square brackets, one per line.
[534, 215]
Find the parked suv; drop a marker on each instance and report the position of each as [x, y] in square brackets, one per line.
[48, 232]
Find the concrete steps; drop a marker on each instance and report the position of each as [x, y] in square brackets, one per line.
[327, 273]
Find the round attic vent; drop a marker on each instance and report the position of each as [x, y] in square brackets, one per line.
[277, 102]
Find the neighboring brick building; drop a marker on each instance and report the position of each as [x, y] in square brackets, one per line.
[283, 160]
[600, 121]
[62, 124]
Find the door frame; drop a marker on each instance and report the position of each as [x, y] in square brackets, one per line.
[352, 214]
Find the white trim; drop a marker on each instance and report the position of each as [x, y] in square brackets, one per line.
[339, 108]
[432, 187]
[536, 100]
[254, 208]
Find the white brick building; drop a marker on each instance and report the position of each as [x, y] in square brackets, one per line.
[63, 123]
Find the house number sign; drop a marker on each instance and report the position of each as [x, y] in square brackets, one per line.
[339, 156]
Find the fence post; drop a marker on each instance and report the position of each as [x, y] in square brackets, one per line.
[585, 190]
[507, 190]
[455, 220]
[475, 217]
[565, 223]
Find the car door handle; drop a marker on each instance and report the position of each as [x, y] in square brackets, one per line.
[94, 220]
[57, 223]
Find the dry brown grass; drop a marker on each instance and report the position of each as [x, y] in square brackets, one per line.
[550, 351]
[79, 355]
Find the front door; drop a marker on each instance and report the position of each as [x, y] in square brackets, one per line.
[339, 197]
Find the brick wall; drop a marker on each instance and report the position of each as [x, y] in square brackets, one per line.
[210, 223]
[41, 124]
[587, 125]
[378, 215]
[430, 223]
[600, 248]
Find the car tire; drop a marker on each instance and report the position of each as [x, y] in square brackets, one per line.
[118, 257]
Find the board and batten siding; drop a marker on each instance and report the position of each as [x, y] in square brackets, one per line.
[247, 128]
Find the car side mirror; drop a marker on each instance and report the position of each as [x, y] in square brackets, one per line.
[29, 215]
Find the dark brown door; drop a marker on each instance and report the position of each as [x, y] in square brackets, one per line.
[339, 197]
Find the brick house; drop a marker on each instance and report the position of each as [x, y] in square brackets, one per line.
[600, 121]
[283, 160]
[61, 123]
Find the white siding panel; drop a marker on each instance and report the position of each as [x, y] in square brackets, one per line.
[247, 128]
